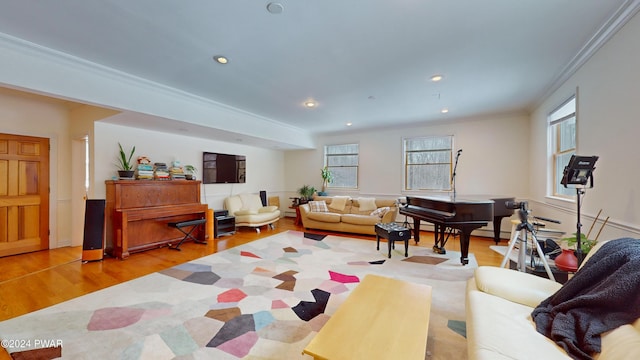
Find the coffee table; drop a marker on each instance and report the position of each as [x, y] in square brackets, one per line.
[382, 318]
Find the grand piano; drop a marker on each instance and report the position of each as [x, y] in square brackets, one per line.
[464, 213]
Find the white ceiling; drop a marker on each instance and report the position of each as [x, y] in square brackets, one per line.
[367, 62]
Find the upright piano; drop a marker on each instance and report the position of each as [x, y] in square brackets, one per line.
[464, 213]
[138, 213]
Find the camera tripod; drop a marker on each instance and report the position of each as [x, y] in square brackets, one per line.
[522, 233]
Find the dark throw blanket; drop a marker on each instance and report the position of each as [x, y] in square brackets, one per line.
[603, 295]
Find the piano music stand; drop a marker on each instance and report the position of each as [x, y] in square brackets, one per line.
[522, 235]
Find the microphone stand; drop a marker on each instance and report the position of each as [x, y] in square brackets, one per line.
[453, 179]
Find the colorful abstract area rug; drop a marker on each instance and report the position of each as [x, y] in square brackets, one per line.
[263, 300]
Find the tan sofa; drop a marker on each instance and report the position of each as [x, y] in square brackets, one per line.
[249, 211]
[499, 304]
[345, 214]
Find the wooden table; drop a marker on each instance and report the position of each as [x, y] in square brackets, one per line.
[298, 220]
[382, 318]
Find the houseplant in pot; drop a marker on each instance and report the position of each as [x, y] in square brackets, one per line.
[125, 165]
[327, 178]
[306, 193]
[567, 260]
[190, 171]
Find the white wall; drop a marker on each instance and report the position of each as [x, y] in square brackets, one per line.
[608, 126]
[493, 160]
[494, 149]
[265, 168]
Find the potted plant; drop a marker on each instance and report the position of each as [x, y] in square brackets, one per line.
[585, 244]
[568, 260]
[190, 172]
[327, 178]
[124, 163]
[306, 193]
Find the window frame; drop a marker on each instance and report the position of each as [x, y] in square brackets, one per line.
[330, 167]
[556, 153]
[406, 165]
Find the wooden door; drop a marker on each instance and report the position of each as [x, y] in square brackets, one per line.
[24, 194]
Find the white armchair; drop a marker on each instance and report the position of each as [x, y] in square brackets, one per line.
[249, 211]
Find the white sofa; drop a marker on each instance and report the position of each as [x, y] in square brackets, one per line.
[249, 211]
[499, 304]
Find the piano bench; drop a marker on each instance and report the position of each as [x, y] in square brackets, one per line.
[393, 232]
[187, 234]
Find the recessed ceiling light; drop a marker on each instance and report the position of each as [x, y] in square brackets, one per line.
[436, 78]
[444, 110]
[310, 104]
[349, 124]
[221, 59]
[275, 8]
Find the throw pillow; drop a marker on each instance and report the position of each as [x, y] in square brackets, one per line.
[367, 204]
[380, 211]
[318, 206]
[339, 202]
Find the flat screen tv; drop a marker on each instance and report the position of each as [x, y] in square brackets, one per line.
[223, 168]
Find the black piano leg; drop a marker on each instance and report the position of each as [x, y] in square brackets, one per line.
[497, 222]
[438, 246]
[416, 230]
[464, 246]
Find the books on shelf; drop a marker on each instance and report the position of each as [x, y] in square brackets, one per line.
[177, 173]
[144, 172]
[161, 171]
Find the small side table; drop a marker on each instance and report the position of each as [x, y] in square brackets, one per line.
[393, 232]
[298, 220]
[223, 224]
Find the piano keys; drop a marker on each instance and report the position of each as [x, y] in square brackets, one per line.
[462, 213]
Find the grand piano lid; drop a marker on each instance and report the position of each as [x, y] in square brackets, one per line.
[458, 199]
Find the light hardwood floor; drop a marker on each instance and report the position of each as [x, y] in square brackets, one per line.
[37, 280]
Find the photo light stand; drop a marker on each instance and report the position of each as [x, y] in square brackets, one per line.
[524, 231]
[579, 172]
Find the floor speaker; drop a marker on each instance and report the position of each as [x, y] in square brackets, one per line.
[92, 245]
[263, 197]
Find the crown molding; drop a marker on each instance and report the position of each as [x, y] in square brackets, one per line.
[624, 13]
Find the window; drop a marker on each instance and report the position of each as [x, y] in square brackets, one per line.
[342, 161]
[562, 132]
[427, 163]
